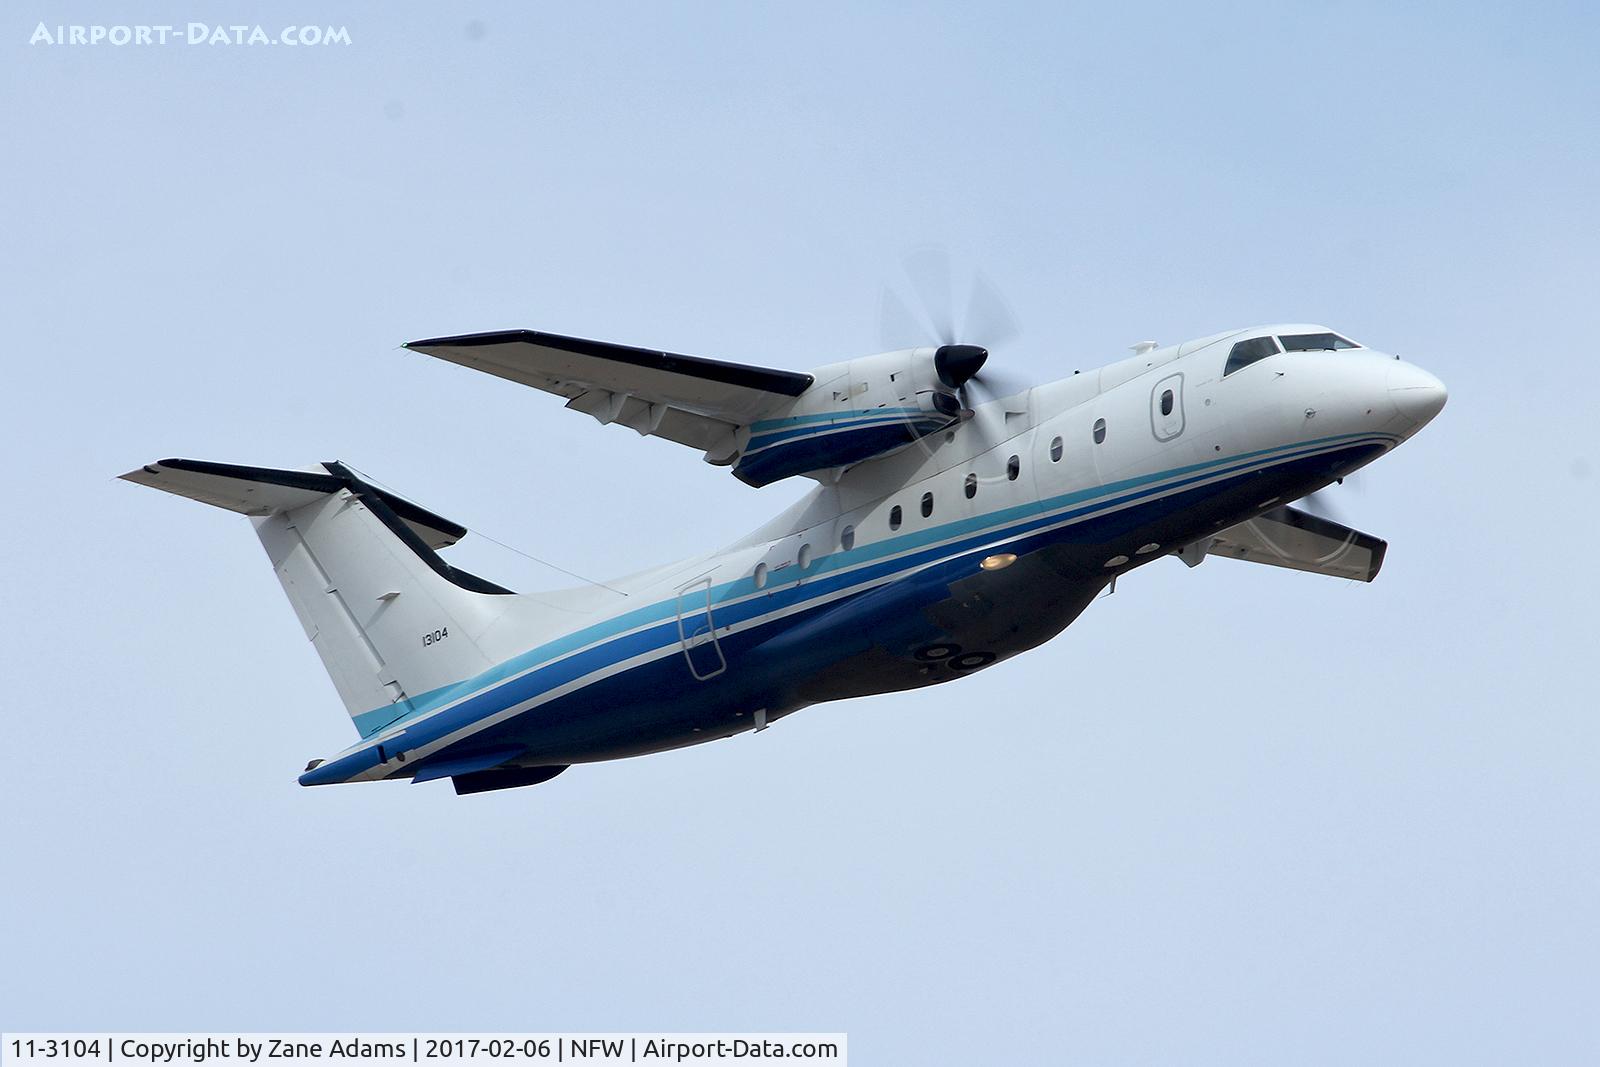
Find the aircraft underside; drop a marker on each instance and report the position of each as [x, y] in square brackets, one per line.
[945, 622]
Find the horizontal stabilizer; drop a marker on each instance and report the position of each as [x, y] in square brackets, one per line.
[1288, 537]
[262, 491]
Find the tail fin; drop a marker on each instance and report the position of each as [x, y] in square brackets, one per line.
[390, 618]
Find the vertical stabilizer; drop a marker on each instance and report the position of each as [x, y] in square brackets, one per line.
[390, 618]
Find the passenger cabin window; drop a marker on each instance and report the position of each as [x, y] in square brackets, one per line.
[927, 504]
[1315, 342]
[1166, 402]
[1247, 352]
[761, 575]
[894, 517]
[1099, 431]
[1055, 450]
[847, 539]
[1013, 468]
[805, 557]
[972, 486]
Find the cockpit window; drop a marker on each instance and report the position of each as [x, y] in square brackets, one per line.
[1315, 342]
[1247, 352]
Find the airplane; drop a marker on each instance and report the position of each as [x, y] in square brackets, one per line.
[949, 529]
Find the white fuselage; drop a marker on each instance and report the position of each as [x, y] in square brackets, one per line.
[880, 578]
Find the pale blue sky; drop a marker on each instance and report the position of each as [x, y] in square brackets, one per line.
[1233, 815]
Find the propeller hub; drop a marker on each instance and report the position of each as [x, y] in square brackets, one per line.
[956, 364]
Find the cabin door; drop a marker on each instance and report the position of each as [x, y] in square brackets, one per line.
[1166, 407]
[697, 630]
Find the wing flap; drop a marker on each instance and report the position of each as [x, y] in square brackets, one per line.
[654, 419]
[1298, 540]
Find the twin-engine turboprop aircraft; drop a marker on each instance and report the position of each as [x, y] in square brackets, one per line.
[943, 535]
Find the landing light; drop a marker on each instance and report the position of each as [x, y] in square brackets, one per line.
[998, 562]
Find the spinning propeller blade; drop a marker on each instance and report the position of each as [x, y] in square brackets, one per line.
[896, 324]
[929, 271]
[988, 319]
[1320, 503]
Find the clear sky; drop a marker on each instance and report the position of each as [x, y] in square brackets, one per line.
[1233, 815]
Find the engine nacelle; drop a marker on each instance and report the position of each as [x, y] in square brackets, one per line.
[858, 410]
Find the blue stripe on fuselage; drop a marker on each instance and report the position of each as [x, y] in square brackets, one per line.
[435, 719]
[426, 703]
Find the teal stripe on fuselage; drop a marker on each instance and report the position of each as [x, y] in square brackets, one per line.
[476, 711]
[370, 722]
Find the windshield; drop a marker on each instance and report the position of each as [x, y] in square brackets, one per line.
[1315, 342]
[1247, 352]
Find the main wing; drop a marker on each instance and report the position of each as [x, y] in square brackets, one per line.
[1289, 537]
[696, 402]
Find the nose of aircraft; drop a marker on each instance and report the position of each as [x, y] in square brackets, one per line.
[1416, 394]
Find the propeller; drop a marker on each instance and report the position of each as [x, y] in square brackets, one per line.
[1320, 505]
[1320, 502]
[988, 319]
